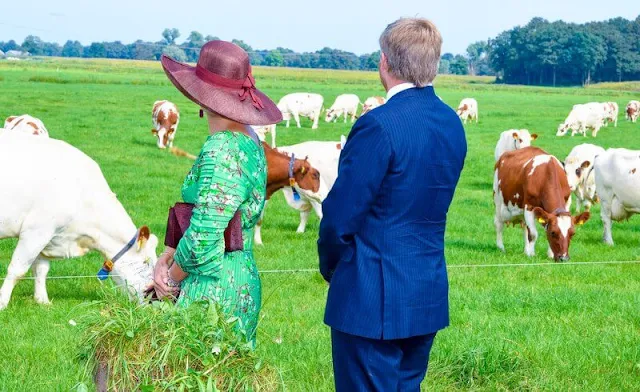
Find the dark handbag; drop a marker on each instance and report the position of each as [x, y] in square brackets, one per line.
[180, 218]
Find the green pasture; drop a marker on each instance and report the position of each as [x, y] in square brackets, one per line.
[571, 327]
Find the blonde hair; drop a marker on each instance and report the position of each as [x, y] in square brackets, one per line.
[412, 47]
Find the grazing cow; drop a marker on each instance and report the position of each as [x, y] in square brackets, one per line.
[323, 156]
[579, 168]
[591, 115]
[617, 175]
[301, 104]
[165, 122]
[26, 124]
[633, 111]
[372, 103]
[530, 184]
[468, 110]
[65, 210]
[612, 110]
[262, 130]
[344, 105]
[514, 139]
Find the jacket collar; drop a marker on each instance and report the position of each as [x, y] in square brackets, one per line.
[410, 92]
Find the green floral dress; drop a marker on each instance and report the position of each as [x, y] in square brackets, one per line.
[229, 174]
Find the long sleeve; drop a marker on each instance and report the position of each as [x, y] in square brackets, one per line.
[363, 166]
[219, 189]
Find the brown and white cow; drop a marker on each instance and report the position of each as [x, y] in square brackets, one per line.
[372, 103]
[531, 185]
[165, 122]
[633, 111]
[26, 124]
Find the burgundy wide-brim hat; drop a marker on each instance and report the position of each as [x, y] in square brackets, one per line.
[222, 82]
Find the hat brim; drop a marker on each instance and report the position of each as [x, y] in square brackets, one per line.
[223, 101]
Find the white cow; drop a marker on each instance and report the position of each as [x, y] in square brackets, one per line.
[513, 139]
[468, 110]
[262, 130]
[26, 124]
[165, 122]
[591, 115]
[633, 111]
[344, 105]
[579, 168]
[612, 110]
[64, 209]
[301, 104]
[323, 156]
[617, 173]
[372, 103]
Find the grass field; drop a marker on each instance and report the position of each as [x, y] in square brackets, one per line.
[553, 327]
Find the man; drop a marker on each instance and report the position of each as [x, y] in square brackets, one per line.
[381, 241]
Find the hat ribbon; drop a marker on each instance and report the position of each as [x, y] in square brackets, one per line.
[248, 85]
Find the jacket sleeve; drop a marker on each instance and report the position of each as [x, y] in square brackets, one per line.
[221, 189]
[363, 166]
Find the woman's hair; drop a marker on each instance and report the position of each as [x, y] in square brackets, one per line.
[412, 47]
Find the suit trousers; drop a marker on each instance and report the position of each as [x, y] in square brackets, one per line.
[362, 364]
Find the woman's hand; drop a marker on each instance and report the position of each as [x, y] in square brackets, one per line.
[161, 276]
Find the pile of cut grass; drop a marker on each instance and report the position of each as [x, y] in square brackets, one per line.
[161, 347]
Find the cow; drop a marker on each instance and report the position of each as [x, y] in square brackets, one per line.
[166, 118]
[582, 117]
[579, 168]
[262, 130]
[323, 156]
[612, 110]
[531, 185]
[301, 104]
[372, 103]
[26, 124]
[344, 105]
[468, 110]
[633, 111]
[617, 176]
[65, 210]
[287, 171]
[513, 140]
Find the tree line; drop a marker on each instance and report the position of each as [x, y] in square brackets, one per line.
[539, 53]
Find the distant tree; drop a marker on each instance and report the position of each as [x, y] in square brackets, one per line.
[116, 50]
[72, 49]
[95, 50]
[141, 50]
[476, 54]
[459, 65]
[274, 59]
[195, 40]
[175, 53]
[243, 45]
[370, 62]
[10, 45]
[170, 36]
[211, 38]
[444, 67]
[588, 52]
[448, 56]
[33, 45]
[51, 49]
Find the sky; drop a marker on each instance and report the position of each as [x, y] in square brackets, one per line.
[296, 24]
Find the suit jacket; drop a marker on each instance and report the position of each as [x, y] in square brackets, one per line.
[381, 240]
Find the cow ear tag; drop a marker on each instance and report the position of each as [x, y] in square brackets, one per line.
[581, 222]
[541, 220]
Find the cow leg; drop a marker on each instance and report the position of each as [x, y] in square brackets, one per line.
[579, 203]
[296, 116]
[315, 120]
[531, 234]
[40, 270]
[29, 247]
[273, 136]
[346, 114]
[257, 233]
[605, 215]
[499, 224]
[304, 218]
[289, 120]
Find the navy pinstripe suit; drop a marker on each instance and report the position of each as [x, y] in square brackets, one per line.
[381, 240]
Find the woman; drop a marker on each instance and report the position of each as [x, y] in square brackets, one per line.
[228, 176]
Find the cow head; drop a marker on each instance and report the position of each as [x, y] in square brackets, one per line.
[577, 171]
[307, 177]
[165, 136]
[134, 270]
[523, 138]
[462, 109]
[563, 129]
[560, 228]
[331, 115]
